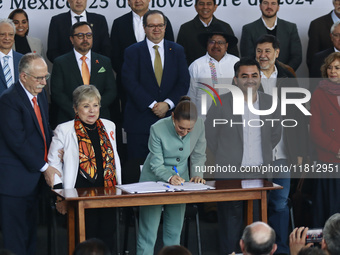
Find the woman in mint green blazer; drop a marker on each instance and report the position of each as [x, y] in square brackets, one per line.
[172, 141]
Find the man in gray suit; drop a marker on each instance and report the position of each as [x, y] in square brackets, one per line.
[286, 32]
[242, 142]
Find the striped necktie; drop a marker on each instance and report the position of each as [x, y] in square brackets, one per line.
[7, 72]
[213, 72]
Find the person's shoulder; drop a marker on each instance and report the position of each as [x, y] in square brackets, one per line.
[286, 22]
[66, 126]
[60, 16]
[220, 22]
[123, 18]
[17, 54]
[188, 24]
[321, 19]
[100, 57]
[198, 62]
[64, 57]
[172, 44]
[108, 123]
[253, 24]
[161, 124]
[94, 15]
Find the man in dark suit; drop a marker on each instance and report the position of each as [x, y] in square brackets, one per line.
[240, 146]
[154, 81]
[58, 33]
[319, 57]
[9, 58]
[68, 73]
[127, 30]
[24, 140]
[292, 147]
[318, 32]
[286, 32]
[189, 31]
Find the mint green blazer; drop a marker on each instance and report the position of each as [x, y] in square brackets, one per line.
[167, 150]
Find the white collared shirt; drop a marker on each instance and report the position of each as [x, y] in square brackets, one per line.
[200, 72]
[138, 27]
[80, 62]
[205, 24]
[152, 51]
[334, 17]
[10, 62]
[74, 20]
[268, 84]
[252, 143]
[269, 28]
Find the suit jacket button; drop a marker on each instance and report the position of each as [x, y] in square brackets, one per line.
[330, 113]
[333, 129]
[177, 159]
[180, 149]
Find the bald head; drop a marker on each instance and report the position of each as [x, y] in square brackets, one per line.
[258, 238]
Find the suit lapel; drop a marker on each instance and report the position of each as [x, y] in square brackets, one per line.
[16, 59]
[145, 54]
[95, 65]
[74, 68]
[129, 29]
[25, 100]
[2, 77]
[168, 58]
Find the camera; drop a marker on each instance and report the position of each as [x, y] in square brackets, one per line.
[314, 236]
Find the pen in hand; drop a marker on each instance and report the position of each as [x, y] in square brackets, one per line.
[175, 168]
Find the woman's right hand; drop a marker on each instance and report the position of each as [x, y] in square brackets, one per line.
[61, 206]
[176, 180]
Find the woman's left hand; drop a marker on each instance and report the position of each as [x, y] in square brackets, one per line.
[197, 179]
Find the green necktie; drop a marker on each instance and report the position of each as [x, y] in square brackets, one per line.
[158, 66]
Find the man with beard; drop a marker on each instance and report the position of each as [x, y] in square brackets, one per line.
[286, 33]
[58, 43]
[319, 39]
[78, 67]
[293, 144]
[240, 144]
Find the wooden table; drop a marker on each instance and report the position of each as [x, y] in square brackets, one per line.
[226, 190]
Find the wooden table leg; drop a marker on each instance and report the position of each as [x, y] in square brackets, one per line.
[81, 222]
[264, 206]
[250, 211]
[71, 229]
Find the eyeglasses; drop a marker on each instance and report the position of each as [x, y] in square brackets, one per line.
[212, 42]
[82, 35]
[336, 36]
[160, 26]
[39, 78]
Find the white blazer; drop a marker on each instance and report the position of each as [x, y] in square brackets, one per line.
[65, 138]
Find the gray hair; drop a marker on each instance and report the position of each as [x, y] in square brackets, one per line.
[85, 92]
[26, 60]
[334, 26]
[331, 234]
[9, 22]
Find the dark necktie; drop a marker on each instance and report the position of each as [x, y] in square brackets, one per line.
[78, 18]
[38, 114]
